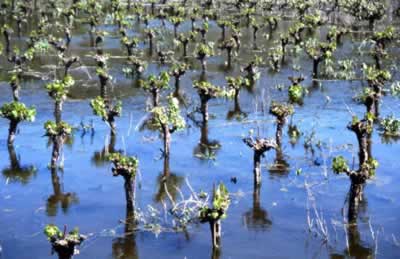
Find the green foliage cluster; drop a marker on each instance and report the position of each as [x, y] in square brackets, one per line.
[220, 205]
[205, 88]
[57, 129]
[169, 115]
[53, 232]
[296, 92]
[317, 50]
[312, 20]
[176, 20]
[390, 126]
[237, 83]
[17, 111]
[58, 89]
[124, 164]
[384, 36]
[275, 57]
[155, 82]
[365, 124]
[131, 43]
[376, 76]
[228, 44]
[102, 109]
[178, 69]
[204, 50]
[340, 165]
[281, 110]
[365, 9]
[346, 69]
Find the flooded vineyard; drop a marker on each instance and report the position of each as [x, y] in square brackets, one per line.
[199, 129]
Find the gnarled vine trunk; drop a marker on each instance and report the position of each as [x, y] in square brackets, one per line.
[257, 167]
[204, 107]
[58, 142]
[12, 131]
[129, 186]
[58, 110]
[355, 198]
[167, 140]
[215, 227]
[156, 98]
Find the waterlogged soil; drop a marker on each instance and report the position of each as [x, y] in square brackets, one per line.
[269, 222]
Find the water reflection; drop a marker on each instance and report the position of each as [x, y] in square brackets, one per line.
[168, 184]
[126, 247]
[17, 173]
[281, 166]
[206, 149]
[257, 217]
[356, 247]
[100, 157]
[59, 197]
[237, 112]
[216, 254]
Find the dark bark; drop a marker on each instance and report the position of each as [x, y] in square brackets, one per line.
[167, 140]
[12, 131]
[355, 198]
[177, 86]
[371, 23]
[113, 126]
[215, 227]
[229, 52]
[315, 67]
[259, 146]
[166, 169]
[370, 104]
[185, 45]
[378, 94]
[280, 123]
[58, 141]
[204, 107]
[257, 167]
[15, 90]
[58, 110]
[156, 97]
[236, 101]
[151, 46]
[7, 41]
[203, 64]
[14, 161]
[129, 193]
[362, 148]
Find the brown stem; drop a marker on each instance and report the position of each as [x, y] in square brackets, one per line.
[12, 130]
[215, 226]
[58, 110]
[355, 198]
[203, 64]
[315, 67]
[167, 140]
[363, 148]
[156, 97]
[257, 167]
[204, 108]
[229, 51]
[57, 144]
[279, 132]
[129, 193]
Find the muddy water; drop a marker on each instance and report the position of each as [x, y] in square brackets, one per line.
[265, 222]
